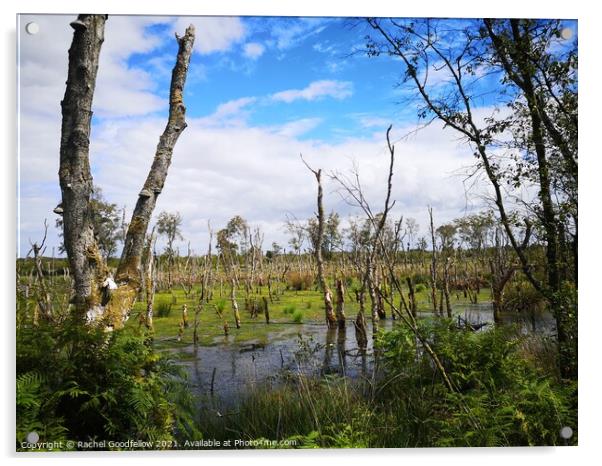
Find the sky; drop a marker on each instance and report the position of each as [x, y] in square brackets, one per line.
[260, 92]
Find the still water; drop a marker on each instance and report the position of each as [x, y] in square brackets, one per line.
[227, 369]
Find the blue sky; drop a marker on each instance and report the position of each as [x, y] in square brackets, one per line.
[259, 92]
[279, 54]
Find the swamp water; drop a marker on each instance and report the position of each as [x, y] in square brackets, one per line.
[223, 373]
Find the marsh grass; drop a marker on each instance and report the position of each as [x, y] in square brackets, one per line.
[502, 398]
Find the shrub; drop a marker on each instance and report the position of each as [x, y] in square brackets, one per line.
[500, 399]
[421, 279]
[420, 287]
[162, 309]
[289, 309]
[220, 306]
[80, 383]
[297, 316]
[299, 281]
[520, 296]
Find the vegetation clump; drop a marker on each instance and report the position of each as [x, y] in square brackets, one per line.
[79, 383]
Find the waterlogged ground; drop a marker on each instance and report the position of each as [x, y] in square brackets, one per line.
[224, 368]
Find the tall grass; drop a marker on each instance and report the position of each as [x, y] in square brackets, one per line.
[501, 398]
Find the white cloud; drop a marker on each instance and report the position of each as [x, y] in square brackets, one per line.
[290, 32]
[298, 127]
[222, 166]
[213, 33]
[253, 50]
[317, 89]
[219, 171]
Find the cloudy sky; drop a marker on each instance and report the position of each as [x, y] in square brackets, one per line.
[260, 91]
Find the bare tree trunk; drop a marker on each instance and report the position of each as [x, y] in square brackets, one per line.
[361, 335]
[42, 293]
[234, 303]
[412, 295]
[266, 309]
[87, 265]
[446, 287]
[85, 261]
[340, 311]
[328, 308]
[150, 280]
[433, 262]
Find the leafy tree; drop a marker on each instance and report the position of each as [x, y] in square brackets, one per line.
[106, 222]
[169, 225]
[234, 238]
[332, 236]
[532, 112]
[446, 235]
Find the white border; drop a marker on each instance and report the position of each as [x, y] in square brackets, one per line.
[591, 325]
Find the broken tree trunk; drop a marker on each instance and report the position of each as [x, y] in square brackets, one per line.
[361, 335]
[87, 265]
[234, 303]
[340, 310]
[149, 279]
[85, 261]
[128, 272]
[42, 293]
[412, 297]
[448, 305]
[433, 262]
[331, 320]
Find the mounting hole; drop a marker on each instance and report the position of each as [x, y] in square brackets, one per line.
[566, 432]
[32, 28]
[566, 33]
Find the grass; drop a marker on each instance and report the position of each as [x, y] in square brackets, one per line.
[292, 307]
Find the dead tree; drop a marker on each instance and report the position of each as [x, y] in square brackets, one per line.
[448, 305]
[87, 266]
[149, 279]
[340, 310]
[205, 284]
[412, 296]
[502, 272]
[44, 302]
[329, 311]
[233, 284]
[433, 277]
[356, 197]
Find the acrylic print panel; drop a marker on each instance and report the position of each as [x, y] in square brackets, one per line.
[270, 232]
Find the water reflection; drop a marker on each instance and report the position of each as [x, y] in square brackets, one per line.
[310, 349]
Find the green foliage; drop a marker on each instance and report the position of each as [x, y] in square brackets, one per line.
[162, 309]
[298, 316]
[299, 281]
[220, 305]
[419, 288]
[169, 225]
[500, 399]
[520, 296]
[81, 383]
[106, 220]
[420, 279]
[289, 309]
[303, 413]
